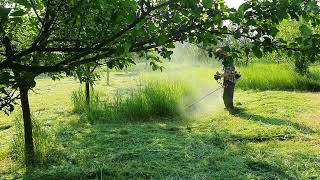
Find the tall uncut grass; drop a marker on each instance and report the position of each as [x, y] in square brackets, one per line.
[43, 142]
[154, 100]
[278, 77]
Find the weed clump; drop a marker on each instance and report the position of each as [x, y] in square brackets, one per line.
[154, 100]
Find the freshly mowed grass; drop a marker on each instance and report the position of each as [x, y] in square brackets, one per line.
[276, 135]
[278, 77]
[265, 140]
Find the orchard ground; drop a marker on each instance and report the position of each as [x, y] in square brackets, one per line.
[275, 135]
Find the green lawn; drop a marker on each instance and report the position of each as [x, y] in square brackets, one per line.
[276, 135]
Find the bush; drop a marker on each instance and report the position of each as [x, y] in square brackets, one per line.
[152, 101]
[277, 77]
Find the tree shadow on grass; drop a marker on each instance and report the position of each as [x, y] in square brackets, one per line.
[274, 121]
[267, 171]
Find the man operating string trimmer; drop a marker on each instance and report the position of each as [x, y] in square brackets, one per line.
[230, 76]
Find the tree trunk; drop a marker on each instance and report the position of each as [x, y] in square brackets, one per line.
[228, 93]
[108, 76]
[247, 60]
[28, 138]
[87, 92]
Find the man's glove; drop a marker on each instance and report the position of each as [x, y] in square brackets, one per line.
[217, 76]
[237, 75]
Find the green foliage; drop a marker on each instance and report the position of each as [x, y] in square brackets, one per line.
[268, 58]
[85, 73]
[4, 12]
[257, 52]
[152, 101]
[300, 34]
[301, 65]
[277, 77]
[288, 30]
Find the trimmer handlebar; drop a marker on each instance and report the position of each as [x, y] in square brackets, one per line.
[219, 75]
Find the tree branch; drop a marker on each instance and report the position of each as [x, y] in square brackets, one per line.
[71, 50]
[144, 14]
[94, 68]
[48, 23]
[63, 40]
[35, 10]
[7, 44]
